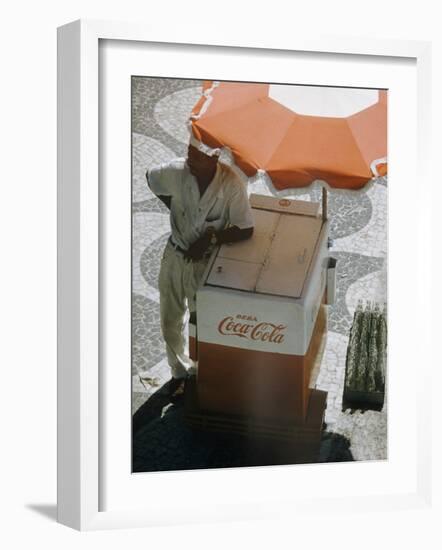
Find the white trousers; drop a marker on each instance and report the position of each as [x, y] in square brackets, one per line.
[178, 282]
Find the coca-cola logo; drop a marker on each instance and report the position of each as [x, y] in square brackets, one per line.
[284, 202]
[248, 326]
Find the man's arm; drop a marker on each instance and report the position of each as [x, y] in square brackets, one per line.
[165, 199]
[230, 235]
[239, 214]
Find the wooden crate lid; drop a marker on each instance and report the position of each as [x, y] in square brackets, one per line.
[275, 260]
[234, 274]
[288, 260]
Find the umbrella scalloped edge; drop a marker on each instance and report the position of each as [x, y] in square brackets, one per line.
[203, 105]
[226, 157]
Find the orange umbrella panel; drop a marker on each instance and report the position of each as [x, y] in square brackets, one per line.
[279, 131]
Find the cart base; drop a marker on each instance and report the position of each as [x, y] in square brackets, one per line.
[287, 441]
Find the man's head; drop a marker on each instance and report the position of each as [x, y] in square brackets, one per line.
[200, 164]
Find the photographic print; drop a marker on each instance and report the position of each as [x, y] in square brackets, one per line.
[259, 274]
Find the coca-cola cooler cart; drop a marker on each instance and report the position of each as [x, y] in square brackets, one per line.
[260, 329]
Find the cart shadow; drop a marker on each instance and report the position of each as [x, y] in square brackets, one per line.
[162, 441]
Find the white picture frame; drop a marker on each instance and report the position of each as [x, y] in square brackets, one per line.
[80, 295]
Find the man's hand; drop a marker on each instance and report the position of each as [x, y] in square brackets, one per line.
[198, 248]
[229, 235]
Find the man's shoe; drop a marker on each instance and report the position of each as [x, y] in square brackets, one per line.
[177, 389]
[173, 388]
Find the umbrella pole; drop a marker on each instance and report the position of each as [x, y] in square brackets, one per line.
[324, 204]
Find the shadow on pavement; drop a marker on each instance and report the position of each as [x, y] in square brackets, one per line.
[162, 442]
[152, 408]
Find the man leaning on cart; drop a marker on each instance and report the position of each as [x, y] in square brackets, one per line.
[208, 206]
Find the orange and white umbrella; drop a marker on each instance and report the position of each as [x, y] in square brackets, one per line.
[296, 135]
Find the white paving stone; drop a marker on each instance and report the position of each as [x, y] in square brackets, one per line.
[259, 188]
[366, 431]
[146, 153]
[332, 373]
[372, 287]
[161, 371]
[147, 226]
[137, 384]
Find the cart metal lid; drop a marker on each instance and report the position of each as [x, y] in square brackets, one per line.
[275, 260]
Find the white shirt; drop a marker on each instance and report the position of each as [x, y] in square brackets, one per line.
[225, 201]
